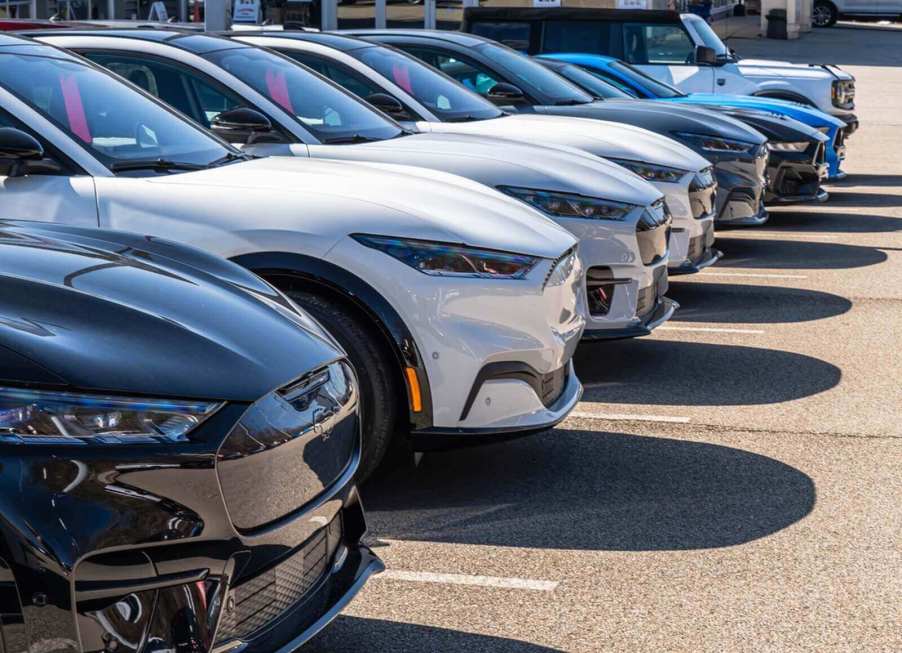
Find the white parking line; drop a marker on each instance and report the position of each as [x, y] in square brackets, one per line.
[466, 579]
[751, 332]
[625, 417]
[752, 275]
[787, 236]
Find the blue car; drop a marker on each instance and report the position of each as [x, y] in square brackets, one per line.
[636, 83]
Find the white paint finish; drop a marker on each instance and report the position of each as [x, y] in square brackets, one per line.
[466, 579]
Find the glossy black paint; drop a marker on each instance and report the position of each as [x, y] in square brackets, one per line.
[138, 547]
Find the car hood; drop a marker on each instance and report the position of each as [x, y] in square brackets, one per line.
[108, 312]
[773, 68]
[504, 162]
[797, 110]
[776, 127]
[668, 119]
[325, 201]
[600, 138]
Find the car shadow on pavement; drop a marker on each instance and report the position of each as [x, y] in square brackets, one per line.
[839, 223]
[750, 304]
[754, 253]
[590, 490]
[356, 635]
[674, 373]
[841, 198]
[893, 181]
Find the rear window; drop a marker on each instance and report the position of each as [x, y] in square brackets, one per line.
[513, 35]
[591, 37]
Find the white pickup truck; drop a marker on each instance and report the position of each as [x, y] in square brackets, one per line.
[680, 49]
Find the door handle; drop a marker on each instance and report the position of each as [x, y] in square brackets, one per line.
[721, 81]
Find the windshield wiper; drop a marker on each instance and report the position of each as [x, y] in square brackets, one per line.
[163, 165]
[354, 138]
[229, 157]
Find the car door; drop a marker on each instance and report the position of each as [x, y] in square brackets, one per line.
[667, 52]
[61, 193]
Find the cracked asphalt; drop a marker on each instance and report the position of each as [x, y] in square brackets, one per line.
[731, 483]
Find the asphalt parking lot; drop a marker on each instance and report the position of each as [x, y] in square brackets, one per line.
[732, 483]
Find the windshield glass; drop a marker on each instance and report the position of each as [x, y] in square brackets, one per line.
[534, 77]
[656, 88]
[444, 97]
[114, 122]
[328, 112]
[708, 36]
[592, 84]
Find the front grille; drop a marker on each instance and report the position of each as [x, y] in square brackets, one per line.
[552, 386]
[258, 602]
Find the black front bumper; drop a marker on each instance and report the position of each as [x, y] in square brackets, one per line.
[742, 184]
[796, 176]
[663, 311]
[135, 544]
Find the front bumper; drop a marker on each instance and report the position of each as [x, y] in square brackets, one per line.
[742, 184]
[662, 312]
[141, 550]
[796, 176]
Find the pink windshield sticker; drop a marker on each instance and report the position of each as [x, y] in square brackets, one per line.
[75, 110]
[401, 77]
[277, 88]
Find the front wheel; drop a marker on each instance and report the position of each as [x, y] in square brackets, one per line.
[376, 375]
[823, 14]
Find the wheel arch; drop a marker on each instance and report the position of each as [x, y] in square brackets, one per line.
[328, 280]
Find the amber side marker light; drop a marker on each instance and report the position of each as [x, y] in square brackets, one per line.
[416, 400]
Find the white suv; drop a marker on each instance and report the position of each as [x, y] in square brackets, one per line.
[459, 306]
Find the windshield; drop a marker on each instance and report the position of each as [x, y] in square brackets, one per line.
[448, 100]
[592, 84]
[708, 36]
[328, 112]
[534, 77]
[116, 123]
[657, 88]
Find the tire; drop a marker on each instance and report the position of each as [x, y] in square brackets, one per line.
[824, 14]
[376, 373]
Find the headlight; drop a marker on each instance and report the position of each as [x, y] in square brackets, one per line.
[652, 172]
[570, 205]
[843, 93]
[562, 270]
[786, 146]
[716, 144]
[448, 260]
[34, 416]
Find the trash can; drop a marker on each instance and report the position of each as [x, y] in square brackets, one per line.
[776, 24]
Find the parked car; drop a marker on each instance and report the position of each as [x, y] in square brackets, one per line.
[278, 95]
[679, 49]
[797, 162]
[425, 278]
[633, 82]
[825, 13]
[179, 443]
[441, 105]
[518, 84]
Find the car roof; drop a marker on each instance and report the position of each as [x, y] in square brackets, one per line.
[188, 40]
[12, 44]
[458, 38]
[570, 57]
[476, 14]
[342, 42]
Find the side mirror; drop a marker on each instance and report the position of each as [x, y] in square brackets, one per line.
[19, 146]
[705, 56]
[387, 104]
[21, 154]
[504, 92]
[242, 119]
